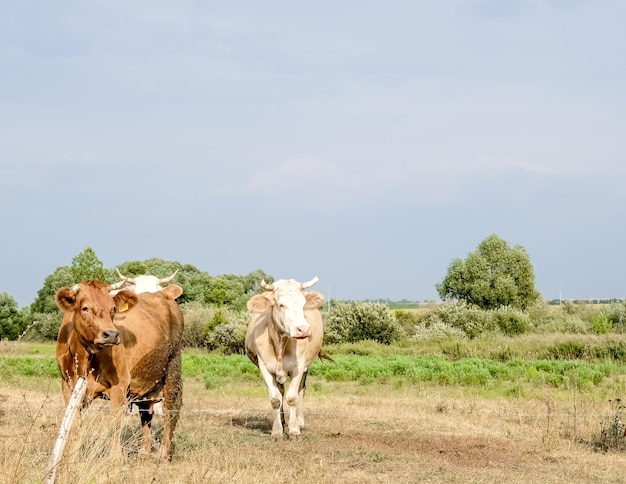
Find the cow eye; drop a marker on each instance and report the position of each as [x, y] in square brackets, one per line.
[84, 309]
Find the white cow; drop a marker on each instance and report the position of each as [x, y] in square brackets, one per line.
[283, 338]
[139, 284]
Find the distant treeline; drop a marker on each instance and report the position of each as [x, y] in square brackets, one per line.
[556, 302]
[406, 304]
[403, 304]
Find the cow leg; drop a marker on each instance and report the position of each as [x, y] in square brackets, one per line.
[279, 417]
[299, 412]
[119, 407]
[294, 393]
[145, 414]
[276, 391]
[172, 403]
[281, 388]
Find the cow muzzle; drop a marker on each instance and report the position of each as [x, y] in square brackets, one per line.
[110, 338]
[302, 332]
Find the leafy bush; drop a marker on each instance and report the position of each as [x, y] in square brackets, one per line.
[407, 319]
[600, 324]
[12, 320]
[437, 330]
[547, 318]
[511, 321]
[229, 337]
[359, 321]
[46, 326]
[616, 314]
[575, 325]
[469, 319]
[197, 318]
[560, 321]
[201, 322]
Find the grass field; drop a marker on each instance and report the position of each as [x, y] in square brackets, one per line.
[504, 426]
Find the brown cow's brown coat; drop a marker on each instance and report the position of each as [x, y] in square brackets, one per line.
[127, 346]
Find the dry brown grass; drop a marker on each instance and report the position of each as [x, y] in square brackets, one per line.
[355, 434]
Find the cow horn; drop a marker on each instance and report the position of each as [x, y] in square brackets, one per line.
[168, 279]
[117, 285]
[312, 282]
[124, 278]
[266, 286]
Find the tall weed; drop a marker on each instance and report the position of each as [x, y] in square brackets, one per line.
[612, 434]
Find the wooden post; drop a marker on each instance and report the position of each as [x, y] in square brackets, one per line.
[77, 398]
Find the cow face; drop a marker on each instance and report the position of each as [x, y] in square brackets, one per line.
[288, 302]
[93, 312]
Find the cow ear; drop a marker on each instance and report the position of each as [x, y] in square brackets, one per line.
[313, 300]
[259, 303]
[172, 291]
[124, 300]
[65, 299]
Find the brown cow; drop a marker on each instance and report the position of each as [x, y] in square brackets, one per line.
[140, 284]
[283, 338]
[127, 346]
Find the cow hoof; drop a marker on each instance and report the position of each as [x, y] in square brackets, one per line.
[294, 437]
[277, 437]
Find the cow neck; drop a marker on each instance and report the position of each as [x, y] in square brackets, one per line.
[82, 353]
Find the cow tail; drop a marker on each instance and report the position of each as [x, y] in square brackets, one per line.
[324, 356]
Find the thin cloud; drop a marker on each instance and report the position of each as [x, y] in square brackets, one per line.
[294, 172]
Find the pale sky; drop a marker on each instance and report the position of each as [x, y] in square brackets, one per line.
[369, 143]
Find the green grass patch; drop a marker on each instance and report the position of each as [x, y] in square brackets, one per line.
[29, 367]
[466, 371]
[601, 367]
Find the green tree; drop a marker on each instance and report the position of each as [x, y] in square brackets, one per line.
[225, 289]
[86, 265]
[195, 283]
[44, 303]
[12, 322]
[492, 276]
[252, 282]
[133, 268]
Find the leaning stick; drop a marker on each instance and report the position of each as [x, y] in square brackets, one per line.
[64, 431]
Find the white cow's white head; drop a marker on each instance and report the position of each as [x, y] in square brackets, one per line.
[140, 284]
[288, 302]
